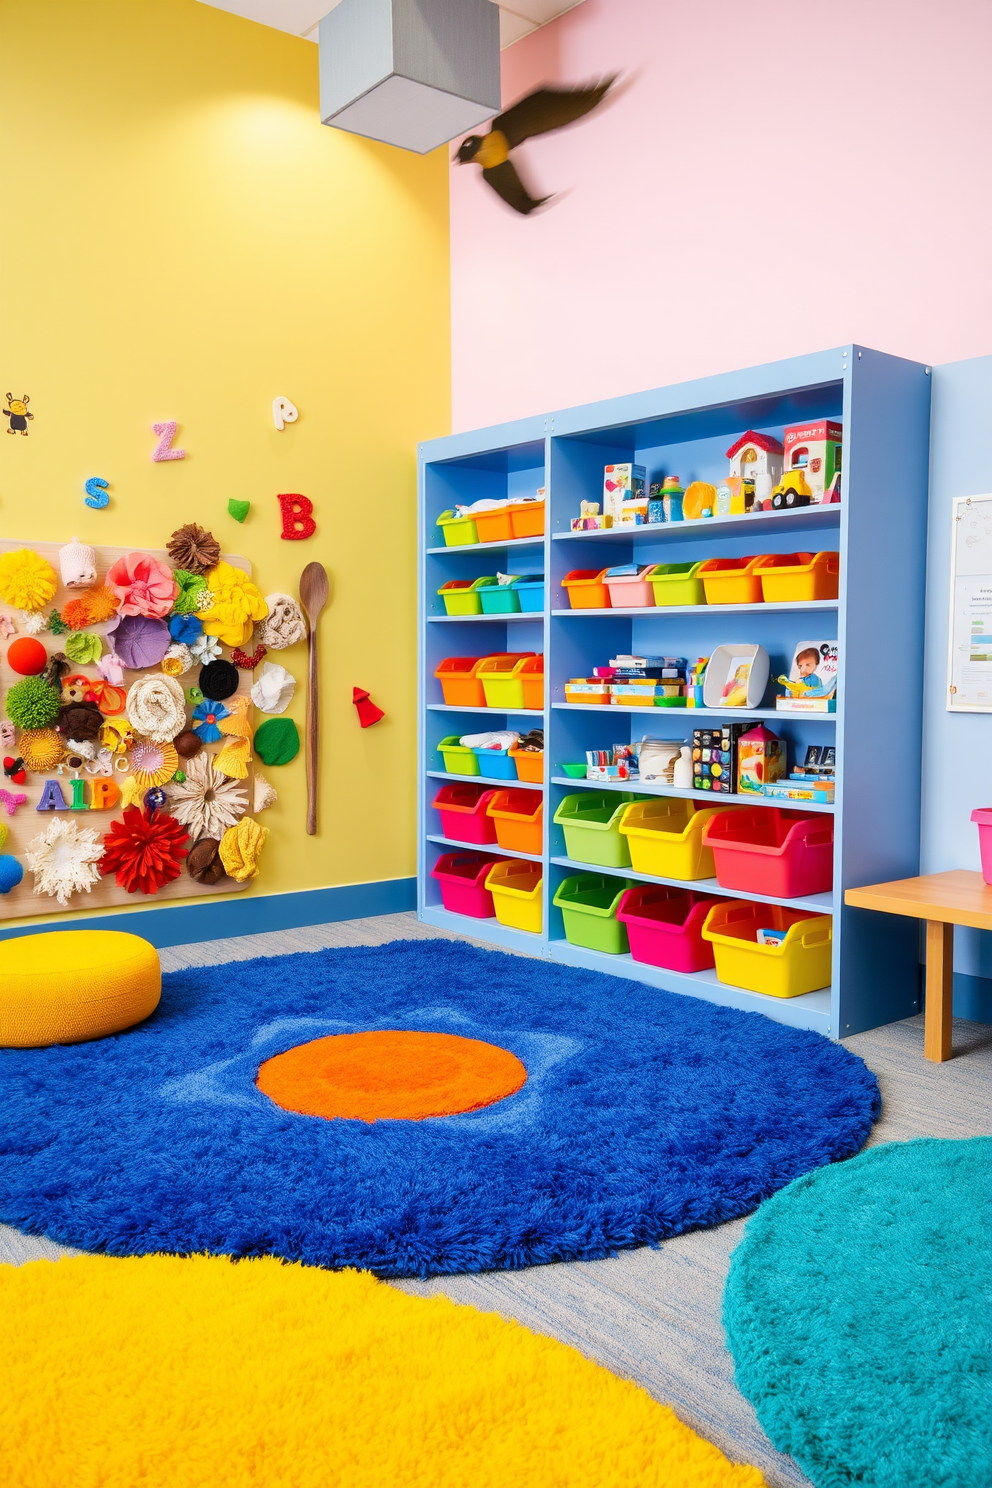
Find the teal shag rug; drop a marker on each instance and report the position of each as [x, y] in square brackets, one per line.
[858, 1311]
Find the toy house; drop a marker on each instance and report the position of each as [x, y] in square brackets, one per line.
[815, 449]
[756, 458]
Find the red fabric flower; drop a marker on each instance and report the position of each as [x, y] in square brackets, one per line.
[143, 585]
[146, 849]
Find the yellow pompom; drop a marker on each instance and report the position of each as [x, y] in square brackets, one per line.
[236, 605]
[27, 582]
[241, 847]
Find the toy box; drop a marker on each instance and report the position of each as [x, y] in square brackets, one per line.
[622, 483]
[811, 686]
[755, 469]
[815, 449]
[714, 758]
[760, 760]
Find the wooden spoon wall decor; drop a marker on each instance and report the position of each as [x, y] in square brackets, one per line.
[313, 597]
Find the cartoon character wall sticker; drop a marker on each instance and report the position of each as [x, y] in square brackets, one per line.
[17, 412]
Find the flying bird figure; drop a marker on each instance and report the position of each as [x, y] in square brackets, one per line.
[540, 112]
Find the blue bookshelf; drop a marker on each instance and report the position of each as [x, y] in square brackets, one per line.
[879, 528]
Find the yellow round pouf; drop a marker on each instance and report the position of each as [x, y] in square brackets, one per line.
[180, 1373]
[71, 985]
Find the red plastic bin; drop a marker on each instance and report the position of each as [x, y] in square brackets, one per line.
[664, 927]
[765, 850]
[461, 877]
[463, 811]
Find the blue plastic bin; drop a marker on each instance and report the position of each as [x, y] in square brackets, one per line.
[530, 588]
[495, 764]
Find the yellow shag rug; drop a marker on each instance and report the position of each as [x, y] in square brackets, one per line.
[164, 1372]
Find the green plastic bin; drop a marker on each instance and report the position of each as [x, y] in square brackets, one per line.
[591, 824]
[458, 758]
[588, 904]
[460, 597]
[677, 584]
[457, 530]
[497, 598]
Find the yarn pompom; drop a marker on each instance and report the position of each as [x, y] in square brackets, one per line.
[11, 873]
[33, 704]
[64, 859]
[241, 847]
[206, 801]
[27, 581]
[285, 624]
[192, 588]
[145, 850]
[237, 605]
[143, 584]
[219, 680]
[203, 863]
[90, 608]
[41, 749]
[193, 548]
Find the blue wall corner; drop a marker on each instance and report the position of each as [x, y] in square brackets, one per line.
[186, 924]
[973, 997]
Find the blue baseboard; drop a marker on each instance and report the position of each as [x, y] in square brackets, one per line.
[185, 924]
[973, 997]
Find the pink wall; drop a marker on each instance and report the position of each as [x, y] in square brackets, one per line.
[779, 176]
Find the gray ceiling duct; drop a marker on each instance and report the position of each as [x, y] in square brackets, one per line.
[413, 73]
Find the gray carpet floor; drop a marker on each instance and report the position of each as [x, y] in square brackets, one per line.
[654, 1315]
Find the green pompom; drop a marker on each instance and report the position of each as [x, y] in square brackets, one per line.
[238, 509]
[33, 704]
[179, 776]
[277, 741]
[56, 624]
[191, 586]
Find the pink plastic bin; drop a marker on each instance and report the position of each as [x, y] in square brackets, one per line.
[462, 810]
[982, 817]
[765, 850]
[631, 591]
[664, 925]
[461, 877]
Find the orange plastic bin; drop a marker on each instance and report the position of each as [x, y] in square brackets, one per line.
[527, 518]
[518, 816]
[459, 683]
[494, 525]
[586, 589]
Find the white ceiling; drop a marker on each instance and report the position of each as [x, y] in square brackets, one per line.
[301, 17]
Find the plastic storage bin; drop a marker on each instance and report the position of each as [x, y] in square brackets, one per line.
[497, 598]
[513, 681]
[530, 590]
[982, 817]
[664, 926]
[631, 591]
[460, 597]
[495, 764]
[464, 813]
[459, 759]
[494, 525]
[529, 764]
[665, 837]
[460, 684]
[586, 589]
[518, 817]
[588, 904]
[765, 850]
[516, 891]
[677, 584]
[461, 877]
[731, 581]
[527, 519]
[457, 530]
[800, 963]
[590, 821]
[800, 576]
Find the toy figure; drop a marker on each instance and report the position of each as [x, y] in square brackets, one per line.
[17, 412]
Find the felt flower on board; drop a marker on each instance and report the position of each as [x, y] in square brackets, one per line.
[83, 646]
[284, 625]
[139, 641]
[111, 668]
[27, 581]
[156, 707]
[177, 660]
[152, 763]
[185, 628]
[205, 648]
[7, 626]
[64, 859]
[273, 692]
[145, 850]
[90, 608]
[241, 847]
[193, 548]
[237, 605]
[233, 759]
[206, 716]
[206, 802]
[143, 584]
[192, 589]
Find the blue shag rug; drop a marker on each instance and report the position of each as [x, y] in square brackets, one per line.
[859, 1313]
[644, 1114]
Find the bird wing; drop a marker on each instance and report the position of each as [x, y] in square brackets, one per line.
[548, 108]
[507, 184]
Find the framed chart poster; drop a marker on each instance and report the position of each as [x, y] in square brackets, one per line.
[969, 666]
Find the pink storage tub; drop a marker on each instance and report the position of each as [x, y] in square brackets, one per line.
[765, 850]
[982, 817]
[463, 812]
[461, 878]
[631, 591]
[664, 927]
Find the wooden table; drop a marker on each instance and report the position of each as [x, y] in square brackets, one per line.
[943, 900]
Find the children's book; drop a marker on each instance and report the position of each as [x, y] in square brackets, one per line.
[811, 686]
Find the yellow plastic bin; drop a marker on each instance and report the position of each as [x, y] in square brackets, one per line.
[677, 584]
[731, 580]
[457, 530]
[513, 681]
[665, 837]
[460, 597]
[800, 963]
[800, 576]
[516, 890]
[586, 589]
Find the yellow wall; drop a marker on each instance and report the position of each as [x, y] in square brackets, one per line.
[181, 238]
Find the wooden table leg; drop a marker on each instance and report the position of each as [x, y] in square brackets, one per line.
[939, 990]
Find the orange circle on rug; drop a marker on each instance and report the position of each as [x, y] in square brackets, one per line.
[390, 1075]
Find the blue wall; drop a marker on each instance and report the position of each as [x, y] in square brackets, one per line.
[957, 747]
